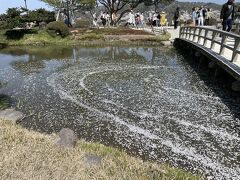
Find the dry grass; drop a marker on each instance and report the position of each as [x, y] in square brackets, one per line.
[114, 31]
[30, 155]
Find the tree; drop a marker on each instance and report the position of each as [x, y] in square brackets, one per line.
[69, 7]
[120, 7]
[39, 15]
[25, 1]
[74, 4]
[125, 6]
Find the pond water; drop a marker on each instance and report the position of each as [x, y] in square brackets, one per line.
[147, 101]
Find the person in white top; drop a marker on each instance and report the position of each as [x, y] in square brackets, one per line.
[131, 20]
[200, 17]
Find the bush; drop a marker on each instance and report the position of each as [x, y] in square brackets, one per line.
[3, 25]
[57, 28]
[82, 24]
[19, 33]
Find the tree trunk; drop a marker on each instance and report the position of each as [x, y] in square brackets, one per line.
[25, 1]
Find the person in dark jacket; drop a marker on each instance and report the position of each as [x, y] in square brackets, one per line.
[176, 17]
[227, 15]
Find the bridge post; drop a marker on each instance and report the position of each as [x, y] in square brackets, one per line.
[212, 41]
[205, 37]
[236, 48]
[194, 36]
[199, 36]
[222, 49]
[189, 33]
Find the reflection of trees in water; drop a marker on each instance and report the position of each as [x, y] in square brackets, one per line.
[33, 57]
[40, 53]
[33, 62]
[123, 54]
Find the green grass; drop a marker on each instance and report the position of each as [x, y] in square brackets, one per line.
[4, 101]
[162, 37]
[31, 155]
[41, 38]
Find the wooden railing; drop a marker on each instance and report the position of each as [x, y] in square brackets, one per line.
[223, 43]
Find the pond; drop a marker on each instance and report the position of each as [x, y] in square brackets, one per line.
[147, 101]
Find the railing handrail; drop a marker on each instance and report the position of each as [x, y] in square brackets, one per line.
[188, 32]
[214, 30]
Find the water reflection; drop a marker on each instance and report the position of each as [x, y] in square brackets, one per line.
[145, 100]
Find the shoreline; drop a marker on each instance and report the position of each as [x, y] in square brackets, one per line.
[42, 38]
[35, 156]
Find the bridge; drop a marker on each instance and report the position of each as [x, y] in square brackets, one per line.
[220, 47]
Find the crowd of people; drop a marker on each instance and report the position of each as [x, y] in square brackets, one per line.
[200, 16]
[132, 19]
[136, 19]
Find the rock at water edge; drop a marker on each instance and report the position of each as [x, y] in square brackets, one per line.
[67, 138]
[11, 115]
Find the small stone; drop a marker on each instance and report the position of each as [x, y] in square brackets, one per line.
[167, 43]
[67, 138]
[11, 115]
[91, 160]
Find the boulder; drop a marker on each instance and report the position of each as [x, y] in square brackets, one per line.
[91, 160]
[167, 43]
[42, 25]
[11, 115]
[67, 138]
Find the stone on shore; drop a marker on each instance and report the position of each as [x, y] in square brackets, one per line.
[167, 43]
[11, 115]
[67, 138]
[91, 160]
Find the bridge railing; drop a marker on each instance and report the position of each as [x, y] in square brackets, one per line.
[223, 43]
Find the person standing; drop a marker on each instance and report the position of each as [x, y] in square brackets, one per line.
[131, 20]
[227, 15]
[114, 18]
[201, 16]
[207, 17]
[194, 16]
[176, 17]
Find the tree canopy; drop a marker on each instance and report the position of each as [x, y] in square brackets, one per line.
[119, 7]
[16, 17]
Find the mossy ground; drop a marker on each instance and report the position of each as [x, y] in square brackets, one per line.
[31, 155]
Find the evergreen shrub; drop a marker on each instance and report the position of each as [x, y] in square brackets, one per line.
[58, 28]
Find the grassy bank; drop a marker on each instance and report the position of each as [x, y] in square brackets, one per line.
[41, 38]
[31, 155]
[86, 37]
